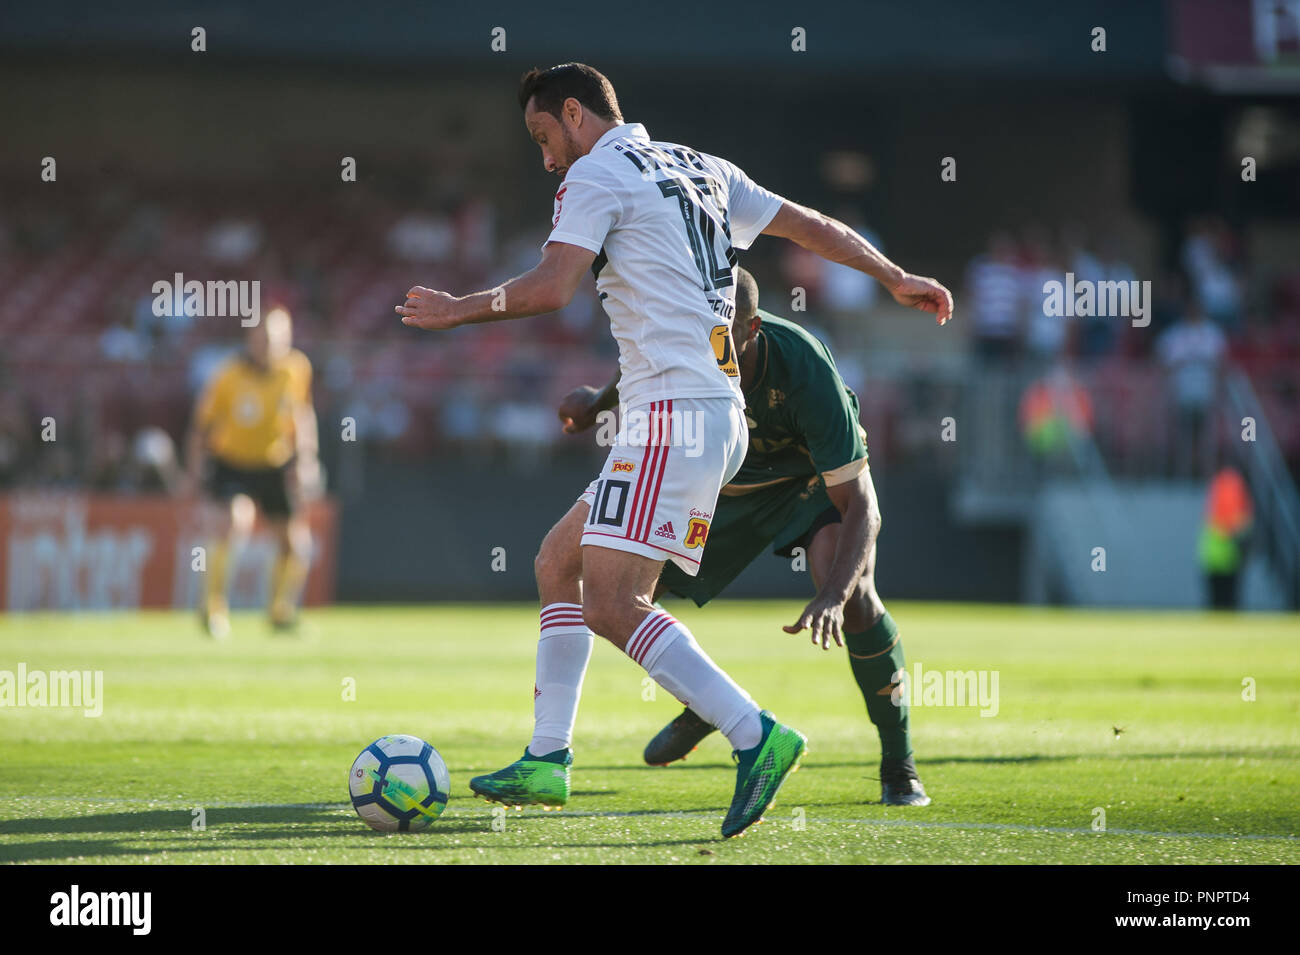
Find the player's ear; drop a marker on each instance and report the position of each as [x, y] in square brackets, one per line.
[573, 110]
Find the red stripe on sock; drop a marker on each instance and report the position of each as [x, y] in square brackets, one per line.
[646, 645]
[575, 615]
[639, 633]
[650, 635]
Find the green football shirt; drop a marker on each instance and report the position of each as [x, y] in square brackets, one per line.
[803, 419]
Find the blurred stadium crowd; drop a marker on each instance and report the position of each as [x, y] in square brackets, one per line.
[1147, 393]
[85, 348]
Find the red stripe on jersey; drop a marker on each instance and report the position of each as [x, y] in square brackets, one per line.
[645, 513]
[659, 479]
[636, 493]
[649, 458]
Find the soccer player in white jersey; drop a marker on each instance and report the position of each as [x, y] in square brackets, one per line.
[658, 224]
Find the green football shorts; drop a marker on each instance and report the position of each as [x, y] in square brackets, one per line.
[783, 516]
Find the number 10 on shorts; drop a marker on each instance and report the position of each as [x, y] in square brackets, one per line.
[611, 503]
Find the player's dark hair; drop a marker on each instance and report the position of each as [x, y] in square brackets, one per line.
[554, 85]
[746, 293]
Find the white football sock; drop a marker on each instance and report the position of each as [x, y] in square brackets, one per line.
[669, 653]
[562, 654]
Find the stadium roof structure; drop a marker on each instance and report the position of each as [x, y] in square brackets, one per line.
[1012, 37]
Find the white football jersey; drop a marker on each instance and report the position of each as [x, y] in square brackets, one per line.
[664, 221]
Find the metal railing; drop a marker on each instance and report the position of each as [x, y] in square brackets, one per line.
[1277, 503]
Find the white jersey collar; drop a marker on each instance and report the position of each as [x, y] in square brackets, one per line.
[629, 130]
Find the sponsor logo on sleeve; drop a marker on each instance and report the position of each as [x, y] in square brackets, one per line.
[559, 203]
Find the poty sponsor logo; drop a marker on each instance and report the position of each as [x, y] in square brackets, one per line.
[103, 908]
[626, 467]
[946, 688]
[1086, 298]
[638, 428]
[697, 532]
[70, 688]
[209, 299]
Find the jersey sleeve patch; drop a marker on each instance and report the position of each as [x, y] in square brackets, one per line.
[585, 212]
[844, 473]
[825, 413]
[751, 207]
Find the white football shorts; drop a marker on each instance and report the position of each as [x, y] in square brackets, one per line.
[656, 493]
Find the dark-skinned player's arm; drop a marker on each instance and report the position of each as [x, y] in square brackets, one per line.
[580, 408]
[548, 286]
[859, 524]
[836, 242]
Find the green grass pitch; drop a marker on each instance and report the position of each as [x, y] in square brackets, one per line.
[1138, 714]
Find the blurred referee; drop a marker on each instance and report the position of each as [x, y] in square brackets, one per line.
[252, 446]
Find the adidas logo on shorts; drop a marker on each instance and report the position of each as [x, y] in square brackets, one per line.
[666, 530]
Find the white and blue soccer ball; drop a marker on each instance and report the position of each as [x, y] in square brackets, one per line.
[399, 784]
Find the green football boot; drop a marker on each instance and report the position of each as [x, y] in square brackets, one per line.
[529, 781]
[761, 771]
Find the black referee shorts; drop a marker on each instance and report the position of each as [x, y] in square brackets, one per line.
[268, 487]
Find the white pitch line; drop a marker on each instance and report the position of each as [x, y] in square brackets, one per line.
[689, 813]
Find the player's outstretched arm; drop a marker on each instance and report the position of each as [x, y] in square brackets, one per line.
[859, 525]
[545, 288]
[833, 240]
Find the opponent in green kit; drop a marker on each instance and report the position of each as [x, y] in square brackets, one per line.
[804, 483]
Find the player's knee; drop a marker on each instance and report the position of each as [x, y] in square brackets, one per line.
[556, 564]
[599, 616]
[610, 617]
[297, 538]
[242, 515]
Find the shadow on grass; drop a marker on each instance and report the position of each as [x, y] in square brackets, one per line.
[296, 820]
[239, 830]
[1279, 753]
[872, 761]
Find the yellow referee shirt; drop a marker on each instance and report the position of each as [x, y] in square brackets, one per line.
[248, 412]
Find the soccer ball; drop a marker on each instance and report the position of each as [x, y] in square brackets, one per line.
[399, 784]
